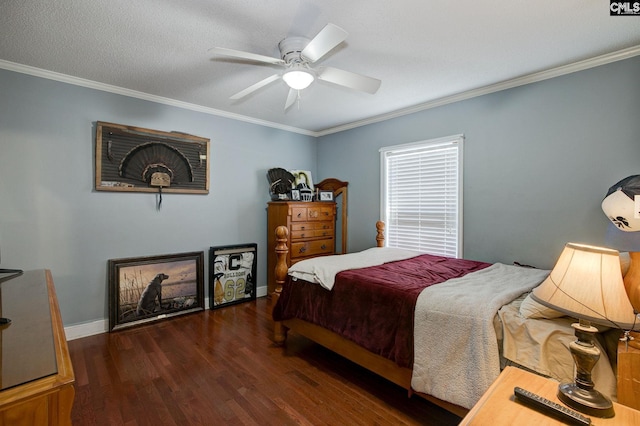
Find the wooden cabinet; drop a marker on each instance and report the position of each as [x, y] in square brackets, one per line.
[311, 232]
[36, 372]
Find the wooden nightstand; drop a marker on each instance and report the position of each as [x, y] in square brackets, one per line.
[499, 407]
[629, 372]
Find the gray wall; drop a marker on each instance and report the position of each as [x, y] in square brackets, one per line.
[538, 159]
[51, 217]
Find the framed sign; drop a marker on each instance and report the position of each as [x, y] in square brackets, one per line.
[232, 274]
[145, 289]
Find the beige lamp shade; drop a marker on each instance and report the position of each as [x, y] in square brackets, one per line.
[586, 283]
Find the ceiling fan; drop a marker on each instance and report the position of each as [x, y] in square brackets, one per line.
[296, 55]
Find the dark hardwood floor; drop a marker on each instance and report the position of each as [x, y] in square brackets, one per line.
[221, 368]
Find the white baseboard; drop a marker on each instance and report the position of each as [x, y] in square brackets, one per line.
[78, 331]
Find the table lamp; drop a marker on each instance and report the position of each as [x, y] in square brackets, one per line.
[622, 207]
[586, 283]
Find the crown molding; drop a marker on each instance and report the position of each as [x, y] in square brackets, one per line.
[507, 84]
[76, 81]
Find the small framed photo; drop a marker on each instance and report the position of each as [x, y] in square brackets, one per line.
[295, 195]
[232, 274]
[326, 195]
[146, 289]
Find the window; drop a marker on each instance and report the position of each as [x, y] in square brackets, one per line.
[422, 195]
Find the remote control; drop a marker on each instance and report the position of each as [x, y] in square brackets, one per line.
[551, 408]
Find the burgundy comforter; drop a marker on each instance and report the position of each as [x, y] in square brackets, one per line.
[373, 307]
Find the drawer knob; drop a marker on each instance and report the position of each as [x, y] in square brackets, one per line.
[323, 247]
[302, 227]
[302, 249]
[299, 214]
[301, 235]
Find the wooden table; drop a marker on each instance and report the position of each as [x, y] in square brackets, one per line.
[499, 407]
[36, 375]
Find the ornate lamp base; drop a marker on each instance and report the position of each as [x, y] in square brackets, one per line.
[590, 402]
[581, 395]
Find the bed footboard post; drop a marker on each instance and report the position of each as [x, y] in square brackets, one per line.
[282, 233]
[380, 236]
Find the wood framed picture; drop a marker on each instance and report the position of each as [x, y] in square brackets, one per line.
[134, 159]
[146, 289]
[325, 196]
[232, 274]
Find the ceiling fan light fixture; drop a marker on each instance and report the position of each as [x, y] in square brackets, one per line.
[298, 79]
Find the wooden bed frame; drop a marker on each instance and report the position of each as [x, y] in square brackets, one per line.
[338, 344]
[628, 362]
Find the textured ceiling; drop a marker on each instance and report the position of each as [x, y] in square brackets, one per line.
[422, 50]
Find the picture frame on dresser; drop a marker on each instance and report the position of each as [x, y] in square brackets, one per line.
[295, 195]
[325, 196]
[232, 274]
[152, 288]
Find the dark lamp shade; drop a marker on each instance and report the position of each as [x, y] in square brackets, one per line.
[586, 283]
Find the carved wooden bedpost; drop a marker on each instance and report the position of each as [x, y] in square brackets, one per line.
[279, 331]
[380, 236]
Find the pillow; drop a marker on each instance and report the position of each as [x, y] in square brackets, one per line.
[529, 308]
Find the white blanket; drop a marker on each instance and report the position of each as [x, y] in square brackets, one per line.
[456, 354]
[322, 270]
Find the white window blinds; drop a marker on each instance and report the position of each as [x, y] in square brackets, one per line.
[422, 196]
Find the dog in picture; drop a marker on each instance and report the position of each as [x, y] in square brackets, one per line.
[147, 302]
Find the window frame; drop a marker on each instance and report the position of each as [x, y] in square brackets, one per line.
[423, 147]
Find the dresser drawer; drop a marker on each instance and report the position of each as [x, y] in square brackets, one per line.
[321, 213]
[305, 230]
[299, 214]
[304, 214]
[312, 248]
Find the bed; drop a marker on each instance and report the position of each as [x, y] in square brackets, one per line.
[440, 328]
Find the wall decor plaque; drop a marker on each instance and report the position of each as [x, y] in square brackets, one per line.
[133, 159]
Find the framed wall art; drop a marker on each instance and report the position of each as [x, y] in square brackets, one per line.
[133, 159]
[145, 289]
[232, 274]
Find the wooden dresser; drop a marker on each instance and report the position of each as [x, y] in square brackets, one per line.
[35, 370]
[311, 232]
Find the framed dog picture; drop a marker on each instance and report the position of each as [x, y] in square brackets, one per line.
[146, 289]
[232, 274]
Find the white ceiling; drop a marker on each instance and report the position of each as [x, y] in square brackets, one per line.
[424, 51]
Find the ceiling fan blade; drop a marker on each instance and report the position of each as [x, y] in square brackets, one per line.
[246, 55]
[349, 79]
[253, 88]
[291, 98]
[328, 38]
